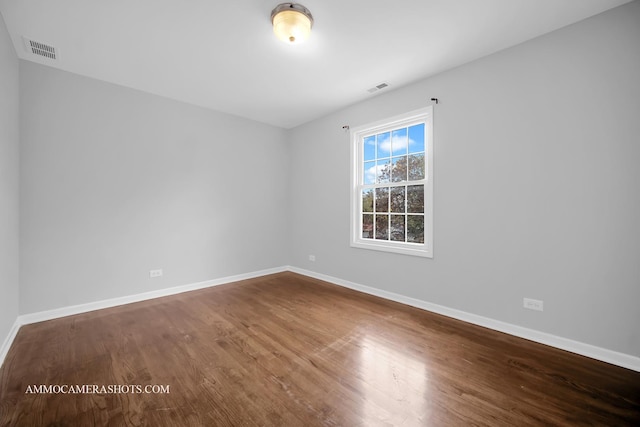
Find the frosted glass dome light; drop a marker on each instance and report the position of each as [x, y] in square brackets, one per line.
[292, 22]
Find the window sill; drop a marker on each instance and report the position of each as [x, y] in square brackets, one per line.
[404, 249]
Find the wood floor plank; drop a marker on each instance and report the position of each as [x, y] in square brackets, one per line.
[288, 350]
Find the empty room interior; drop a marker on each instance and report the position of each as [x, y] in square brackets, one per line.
[357, 213]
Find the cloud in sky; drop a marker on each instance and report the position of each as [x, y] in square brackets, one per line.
[371, 172]
[399, 145]
[370, 175]
[398, 141]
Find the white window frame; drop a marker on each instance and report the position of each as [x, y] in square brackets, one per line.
[423, 115]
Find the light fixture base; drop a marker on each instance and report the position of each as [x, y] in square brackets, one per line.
[291, 6]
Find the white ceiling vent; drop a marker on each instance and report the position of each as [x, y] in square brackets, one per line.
[40, 49]
[378, 87]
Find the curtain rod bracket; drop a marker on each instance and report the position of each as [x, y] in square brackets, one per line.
[435, 100]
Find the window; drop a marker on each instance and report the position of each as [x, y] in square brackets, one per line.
[392, 189]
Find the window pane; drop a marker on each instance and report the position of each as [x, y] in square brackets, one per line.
[416, 138]
[383, 171]
[369, 172]
[415, 198]
[367, 200]
[367, 226]
[369, 148]
[384, 145]
[415, 229]
[397, 228]
[416, 167]
[399, 142]
[382, 199]
[399, 169]
[397, 199]
[382, 227]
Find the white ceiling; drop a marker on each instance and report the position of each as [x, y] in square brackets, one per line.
[224, 56]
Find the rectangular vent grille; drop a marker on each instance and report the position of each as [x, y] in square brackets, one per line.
[377, 87]
[40, 49]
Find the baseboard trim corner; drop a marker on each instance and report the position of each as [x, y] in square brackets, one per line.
[6, 345]
[583, 349]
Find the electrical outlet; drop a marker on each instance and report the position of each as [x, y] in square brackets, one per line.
[533, 304]
[312, 257]
[155, 273]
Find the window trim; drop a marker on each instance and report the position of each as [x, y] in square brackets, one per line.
[423, 115]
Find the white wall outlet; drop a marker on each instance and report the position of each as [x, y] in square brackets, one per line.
[312, 257]
[533, 304]
[155, 273]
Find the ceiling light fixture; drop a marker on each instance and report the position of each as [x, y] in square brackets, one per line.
[291, 22]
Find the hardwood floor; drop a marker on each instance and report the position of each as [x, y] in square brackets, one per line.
[287, 350]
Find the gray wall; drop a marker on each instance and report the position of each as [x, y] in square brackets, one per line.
[536, 186]
[115, 182]
[9, 199]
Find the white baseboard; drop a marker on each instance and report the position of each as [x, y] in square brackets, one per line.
[6, 345]
[588, 350]
[598, 353]
[41, 316]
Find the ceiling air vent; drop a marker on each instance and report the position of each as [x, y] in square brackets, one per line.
[377, 87]
[40, 49]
